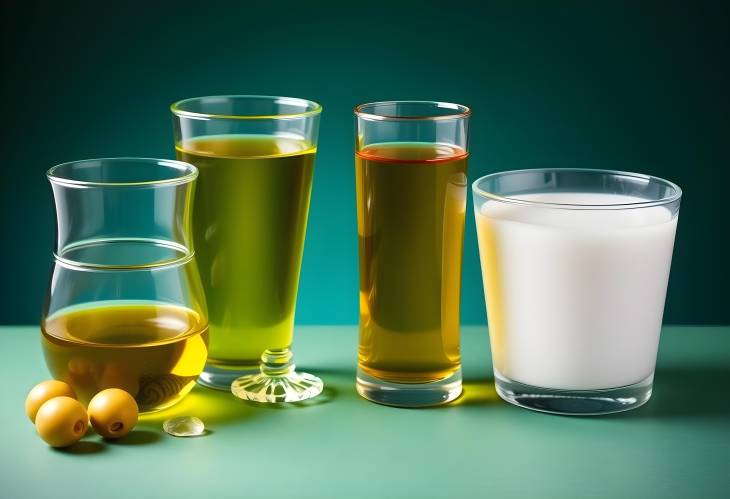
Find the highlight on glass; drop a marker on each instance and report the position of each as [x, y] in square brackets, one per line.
[411, 165]
[575, 265]
[125, 307]
[256, 159]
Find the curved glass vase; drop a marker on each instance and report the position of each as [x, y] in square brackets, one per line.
[125, 307]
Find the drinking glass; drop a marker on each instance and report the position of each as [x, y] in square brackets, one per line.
[575, 265]
[410, 164]
[256, 158]
[125, 307]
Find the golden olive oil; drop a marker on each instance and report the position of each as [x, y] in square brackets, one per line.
[250, 217]
[153, 351]
[411, 204]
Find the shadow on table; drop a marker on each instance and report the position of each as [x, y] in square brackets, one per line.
[82, 447]
[214, 407]
[218, 407]
[687, 392]
[136, 437]
[475, 392]
[681, 392]
[341, 383]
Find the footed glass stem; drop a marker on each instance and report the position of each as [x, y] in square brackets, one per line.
[278, 381]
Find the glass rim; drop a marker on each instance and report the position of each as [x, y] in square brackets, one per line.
[189, 172]
[462, 111]
[675, 196]
[316, 108]
[187, 255]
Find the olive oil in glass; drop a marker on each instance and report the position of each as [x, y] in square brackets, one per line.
[412, 200]
[153, 351]
[251, 207]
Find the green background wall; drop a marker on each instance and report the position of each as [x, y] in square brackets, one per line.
[637, 86]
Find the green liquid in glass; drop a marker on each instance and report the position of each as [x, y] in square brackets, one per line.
[250, 217]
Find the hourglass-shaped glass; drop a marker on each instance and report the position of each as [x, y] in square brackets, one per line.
[125, 307]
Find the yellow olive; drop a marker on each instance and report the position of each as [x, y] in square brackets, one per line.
[113, 413]
[42, 392]
[61, 421]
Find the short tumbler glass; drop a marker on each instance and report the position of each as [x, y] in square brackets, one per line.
[575, 265]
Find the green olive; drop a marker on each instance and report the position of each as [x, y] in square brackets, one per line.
[42, 392]
[61, 421]
[113, 413]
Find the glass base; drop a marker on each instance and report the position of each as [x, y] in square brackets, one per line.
[409, 394]
[220, 378]
[277, 381]
[574, 402]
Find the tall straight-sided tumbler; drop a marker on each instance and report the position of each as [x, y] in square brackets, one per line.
[410, 163]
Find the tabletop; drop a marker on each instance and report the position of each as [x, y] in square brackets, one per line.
[340, 445]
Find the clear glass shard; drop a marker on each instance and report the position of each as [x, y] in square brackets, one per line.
[184, 426]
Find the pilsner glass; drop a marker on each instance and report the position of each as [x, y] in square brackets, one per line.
[410, 163]
[256, 158]
[575, 265]
[125, 307]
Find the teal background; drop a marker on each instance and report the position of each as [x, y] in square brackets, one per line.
[639, 86]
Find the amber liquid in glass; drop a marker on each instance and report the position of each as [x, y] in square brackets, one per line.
[411, 205]
[251, 206]
[153, 351]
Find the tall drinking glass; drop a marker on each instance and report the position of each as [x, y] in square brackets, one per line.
[256, 158]
[410, 164]
[575, 265]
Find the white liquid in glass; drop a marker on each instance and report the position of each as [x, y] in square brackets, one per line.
[575, 297]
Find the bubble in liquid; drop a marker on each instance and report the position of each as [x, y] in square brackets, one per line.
[184, 426]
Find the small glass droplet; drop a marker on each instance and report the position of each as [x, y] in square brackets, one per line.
[184, 426]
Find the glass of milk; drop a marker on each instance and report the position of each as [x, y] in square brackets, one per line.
[575, 265]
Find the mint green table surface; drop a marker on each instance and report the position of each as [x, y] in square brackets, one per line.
[339, 445]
